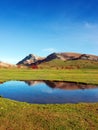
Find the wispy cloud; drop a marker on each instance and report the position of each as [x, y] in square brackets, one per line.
[49, 50]
[90, 25]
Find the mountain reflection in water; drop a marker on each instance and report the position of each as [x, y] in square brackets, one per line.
[49, 92]
[62, 85]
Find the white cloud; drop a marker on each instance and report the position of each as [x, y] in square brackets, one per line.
[49, 50]
[90, 25]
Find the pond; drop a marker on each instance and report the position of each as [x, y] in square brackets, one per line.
[48, 92]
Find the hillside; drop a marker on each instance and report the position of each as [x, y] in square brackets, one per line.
[71, 56]
[69, 64]
[73, 60]
[6, 65]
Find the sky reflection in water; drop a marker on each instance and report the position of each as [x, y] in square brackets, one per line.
[46, 92]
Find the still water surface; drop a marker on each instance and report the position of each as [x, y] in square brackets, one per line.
[46, 92]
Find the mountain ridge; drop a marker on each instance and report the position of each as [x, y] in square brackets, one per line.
[32, 59]
[6, 65]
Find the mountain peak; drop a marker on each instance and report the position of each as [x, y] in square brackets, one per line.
[31, 58]
[30, 55]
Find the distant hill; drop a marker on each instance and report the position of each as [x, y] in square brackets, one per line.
[71, 56]
[64, 60]
[6, 65]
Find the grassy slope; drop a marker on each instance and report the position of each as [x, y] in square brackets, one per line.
[89, 76]
[23, 116]
[83, 64]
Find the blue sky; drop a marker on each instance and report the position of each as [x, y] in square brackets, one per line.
[45, 26]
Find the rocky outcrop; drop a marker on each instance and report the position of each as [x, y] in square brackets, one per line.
[30, 59]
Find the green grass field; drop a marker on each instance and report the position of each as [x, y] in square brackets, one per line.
[89, 76]
[23, 116]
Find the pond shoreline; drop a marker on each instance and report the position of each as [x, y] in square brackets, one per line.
[48, 92]
[20, 115]
[83, 83]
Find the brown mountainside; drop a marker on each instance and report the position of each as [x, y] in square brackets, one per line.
[6, 65]
[32, 59]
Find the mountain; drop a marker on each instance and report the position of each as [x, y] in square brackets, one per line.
[71, 56]
[32, 59]
[6, 65]
[69, 61]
